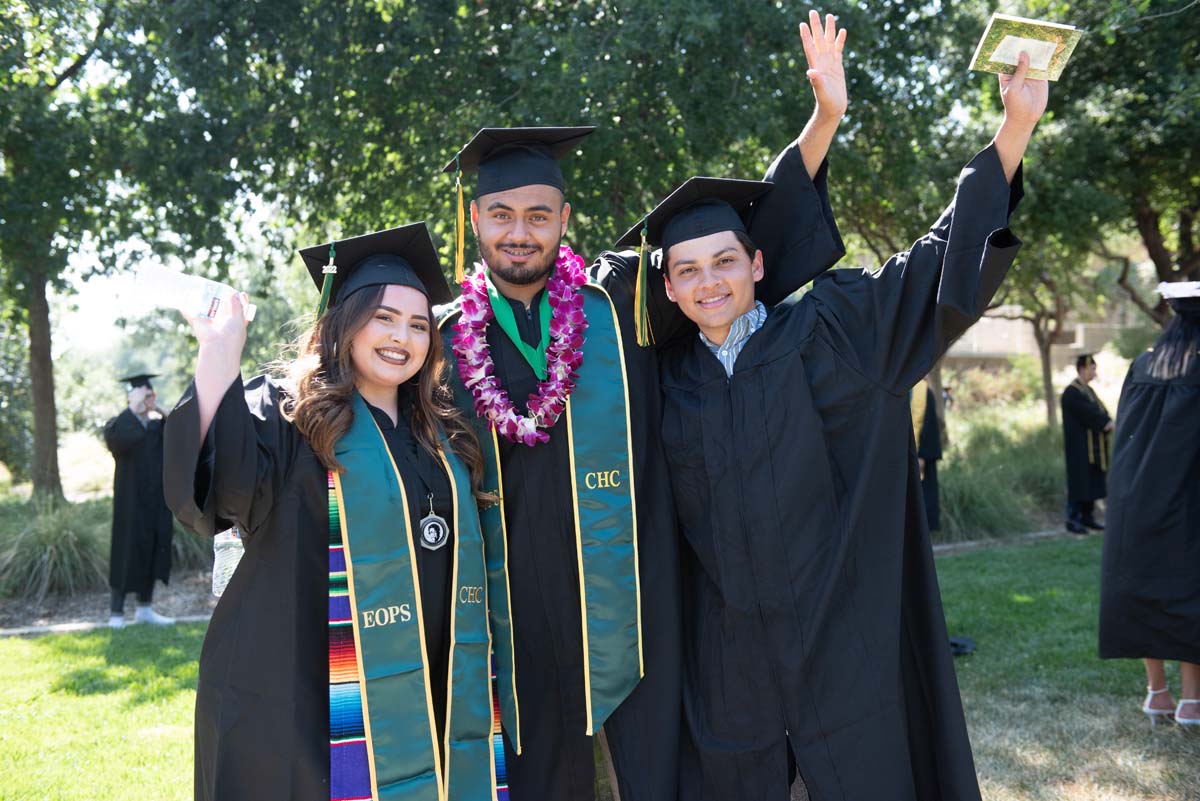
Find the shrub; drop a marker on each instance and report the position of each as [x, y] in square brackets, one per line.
[1018, 381]
[53, 548]
[1132, 342]
[1003, 473]
[190, 551]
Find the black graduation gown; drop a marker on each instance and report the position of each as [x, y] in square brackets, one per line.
[793, 223]
[557, 756]
[1150, 581]
[811, 601]
[262, 699]
[141, 525]
[929, 448]
[1085, 443]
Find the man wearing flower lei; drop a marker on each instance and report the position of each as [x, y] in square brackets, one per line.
[813, 631]
[582, 552]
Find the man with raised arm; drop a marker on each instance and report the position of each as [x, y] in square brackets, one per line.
[582, 552]
[813, 627]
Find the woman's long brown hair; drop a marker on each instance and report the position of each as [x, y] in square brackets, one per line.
[322, 375]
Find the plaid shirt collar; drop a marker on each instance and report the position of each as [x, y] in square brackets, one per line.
[739, 333]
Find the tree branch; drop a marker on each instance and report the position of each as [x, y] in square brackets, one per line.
[869, 241]
[1149, 226]
[1157, 313]
[1140, 20]
[1188, 258]
[77, 64]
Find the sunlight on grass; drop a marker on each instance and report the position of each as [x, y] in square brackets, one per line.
[1049, 721]
[99, 714]
[90, 716]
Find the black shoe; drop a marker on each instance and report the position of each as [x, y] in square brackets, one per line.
[1075, 528]
[1091, 523]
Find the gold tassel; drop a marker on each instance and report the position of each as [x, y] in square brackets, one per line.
[641, 312]
[460, 229]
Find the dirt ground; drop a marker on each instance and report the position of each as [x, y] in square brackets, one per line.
[188, 595]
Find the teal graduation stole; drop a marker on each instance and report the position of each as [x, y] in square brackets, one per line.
[391, 668]
[601, 464]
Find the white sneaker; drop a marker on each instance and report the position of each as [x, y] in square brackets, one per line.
[116, 622]
[145, 614]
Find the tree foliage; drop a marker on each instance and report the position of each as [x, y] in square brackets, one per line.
[1130, 95]
[138, 128]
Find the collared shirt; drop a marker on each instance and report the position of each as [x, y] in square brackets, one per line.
[739, 333]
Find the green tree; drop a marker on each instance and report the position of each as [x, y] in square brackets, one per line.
[1131, 93]
[356, 106]
[96, 146]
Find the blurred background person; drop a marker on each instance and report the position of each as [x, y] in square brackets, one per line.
[1150, 581]
[1086, 426]
[928, 427]
[142, 526]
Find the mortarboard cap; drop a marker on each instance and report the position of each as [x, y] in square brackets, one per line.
[1184, 296]
[139, 380]
[699, 207]
[404, 256]
[506, 158]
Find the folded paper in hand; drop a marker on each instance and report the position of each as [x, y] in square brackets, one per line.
[1048, 44]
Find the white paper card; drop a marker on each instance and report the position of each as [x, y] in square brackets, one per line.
[1010, 47]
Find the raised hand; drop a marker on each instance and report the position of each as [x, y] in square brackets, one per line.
[219, 360]
[1024, 103]
[1024, 98]
[227, 333]
[137, 400]
[823, 51]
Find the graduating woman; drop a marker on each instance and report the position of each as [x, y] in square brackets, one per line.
[1150, 580]
[348, 657]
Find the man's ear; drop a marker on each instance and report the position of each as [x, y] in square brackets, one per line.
[475, 218]
[670, 291]
[566, 215]
[756, 266]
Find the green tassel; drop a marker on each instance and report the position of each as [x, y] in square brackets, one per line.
[330, 270]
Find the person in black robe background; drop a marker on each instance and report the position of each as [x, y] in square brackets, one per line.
[262, 729]
[1086, 426]
[142, 527]
[813, 621]
[1150, 580]
[929, 451]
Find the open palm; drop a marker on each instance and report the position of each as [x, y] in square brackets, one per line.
[823, 50]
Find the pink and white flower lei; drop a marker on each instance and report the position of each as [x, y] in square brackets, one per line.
[564, 353]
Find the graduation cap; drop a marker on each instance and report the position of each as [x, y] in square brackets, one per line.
[699, 207]
[139, 380]
[1184, 296]
[506, 158]
[404, 256]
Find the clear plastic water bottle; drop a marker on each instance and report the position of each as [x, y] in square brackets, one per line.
[227, 553]
[191, 294]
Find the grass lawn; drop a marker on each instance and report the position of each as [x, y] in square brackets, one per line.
[106, 715]
[1049, 721]
[99, 716]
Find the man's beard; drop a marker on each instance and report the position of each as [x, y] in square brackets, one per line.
[534, 272]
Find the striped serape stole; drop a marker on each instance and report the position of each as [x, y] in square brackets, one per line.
[498, 738]
[349, 771]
